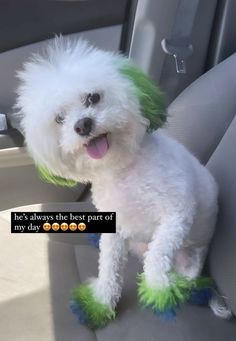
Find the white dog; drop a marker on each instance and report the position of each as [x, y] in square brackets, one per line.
[87, 117]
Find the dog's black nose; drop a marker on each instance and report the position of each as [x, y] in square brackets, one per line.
[83, 126]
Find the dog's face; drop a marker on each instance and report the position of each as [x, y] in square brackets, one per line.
[85, 111]
[81, 115]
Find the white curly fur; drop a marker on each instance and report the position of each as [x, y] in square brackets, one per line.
[162, 195]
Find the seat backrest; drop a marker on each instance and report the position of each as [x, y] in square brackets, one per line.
[202, 113]
[203, 118]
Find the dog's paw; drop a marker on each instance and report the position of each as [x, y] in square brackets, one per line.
[88, 309]
[164, 301]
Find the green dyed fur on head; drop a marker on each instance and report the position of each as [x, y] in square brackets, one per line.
[150, 97]
[98, 314]
[171, 297]
[47, 176]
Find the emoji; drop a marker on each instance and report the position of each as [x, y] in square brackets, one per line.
[64, 226]
[55, 226]
[73, 226]
[46, 227]
[81, 226]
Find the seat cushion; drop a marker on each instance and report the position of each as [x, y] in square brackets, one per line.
[37, 274]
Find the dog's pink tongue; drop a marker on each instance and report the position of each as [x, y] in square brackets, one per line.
[97, 147]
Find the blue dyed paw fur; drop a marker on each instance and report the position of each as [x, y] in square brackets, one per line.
[167, 315]
[200, 296]
[88, 309]
[78, 312]
[94, 239]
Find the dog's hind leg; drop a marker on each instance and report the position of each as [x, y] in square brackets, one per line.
[189, 263]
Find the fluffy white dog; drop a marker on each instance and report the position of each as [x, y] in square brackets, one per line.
[87, 116]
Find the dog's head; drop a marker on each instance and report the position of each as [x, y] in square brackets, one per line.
[84, 110]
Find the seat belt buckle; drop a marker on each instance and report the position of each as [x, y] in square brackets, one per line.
[180, 54]
[180, 64]
[3, 122]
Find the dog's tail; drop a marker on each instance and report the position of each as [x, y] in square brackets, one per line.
[219, 307]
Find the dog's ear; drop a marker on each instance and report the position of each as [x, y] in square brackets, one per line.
[47, 176]
[150, 97]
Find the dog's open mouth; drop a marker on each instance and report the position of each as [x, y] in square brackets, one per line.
[97, 147]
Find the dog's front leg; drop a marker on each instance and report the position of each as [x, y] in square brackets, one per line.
[161, 289]
[94, 302]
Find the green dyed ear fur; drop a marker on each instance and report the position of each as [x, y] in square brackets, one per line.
[47, 176]
[150, 97]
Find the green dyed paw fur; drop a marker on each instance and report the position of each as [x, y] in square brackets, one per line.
[97, 314]
[163, 299]
[173, 296]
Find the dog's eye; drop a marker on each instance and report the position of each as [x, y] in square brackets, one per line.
[92, 99]
[60, 118]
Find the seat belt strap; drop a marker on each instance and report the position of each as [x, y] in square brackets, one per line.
[179, 44]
